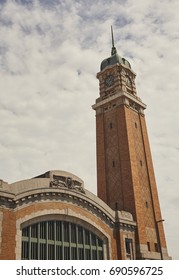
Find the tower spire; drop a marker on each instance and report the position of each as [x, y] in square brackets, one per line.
[113, 50]
[112, 36]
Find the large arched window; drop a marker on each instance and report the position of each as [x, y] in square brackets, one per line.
[60, 240]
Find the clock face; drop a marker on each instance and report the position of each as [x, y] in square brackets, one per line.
[109, 81]
[128, 82]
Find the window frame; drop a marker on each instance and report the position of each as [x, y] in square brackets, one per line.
[50, 247]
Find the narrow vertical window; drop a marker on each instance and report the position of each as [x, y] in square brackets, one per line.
[129, 248]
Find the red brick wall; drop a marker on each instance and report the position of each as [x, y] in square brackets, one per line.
[125, 171]
[8, 235]
[113, 160]
[10, 217]
[154, 192]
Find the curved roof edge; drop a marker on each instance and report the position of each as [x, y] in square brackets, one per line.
[114, 59]
[51, 185]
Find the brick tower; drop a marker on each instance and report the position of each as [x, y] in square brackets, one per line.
[125, 175]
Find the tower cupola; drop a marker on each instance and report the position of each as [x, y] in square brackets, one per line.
[114, 58]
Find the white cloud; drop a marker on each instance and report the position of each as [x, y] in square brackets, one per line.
[50, 53]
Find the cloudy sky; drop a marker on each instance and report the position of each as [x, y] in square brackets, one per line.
[50, 52]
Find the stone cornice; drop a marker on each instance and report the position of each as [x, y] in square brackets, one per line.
[58, 195]
[88, 201]
[119, 94]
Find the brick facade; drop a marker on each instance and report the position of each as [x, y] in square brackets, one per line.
[34, 200]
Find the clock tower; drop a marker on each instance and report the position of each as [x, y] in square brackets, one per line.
[125, 175]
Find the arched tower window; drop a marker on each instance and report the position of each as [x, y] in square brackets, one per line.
[60, 240]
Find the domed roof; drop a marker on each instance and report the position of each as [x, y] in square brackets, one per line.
[114, 58]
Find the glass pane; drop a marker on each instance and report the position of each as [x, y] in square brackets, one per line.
[81, 254]
[66, 253]
[66, 231]
[25, 250]
[87, 237]
[74, 253]
[25, 232]
[80, 235]
[59, 231]
[51, 252]
[43, 251]
[73, 233]
[51, 230]
[93, 239]
[94, 255]
[128, 245]
[34, 251]
[43, 230]
[87, 254]
[100, 243]
[59, 252]
[34, 230]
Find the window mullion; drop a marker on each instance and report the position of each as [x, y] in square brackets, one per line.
[84, 244]
[55, 241]
[62, 240]
[97, 249]
[77, 252]
[91, 256]
[47, 240]
[70, 240]
[30, 243]
[38, 241]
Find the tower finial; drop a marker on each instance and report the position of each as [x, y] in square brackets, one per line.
[113, 50]
[112, 36]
